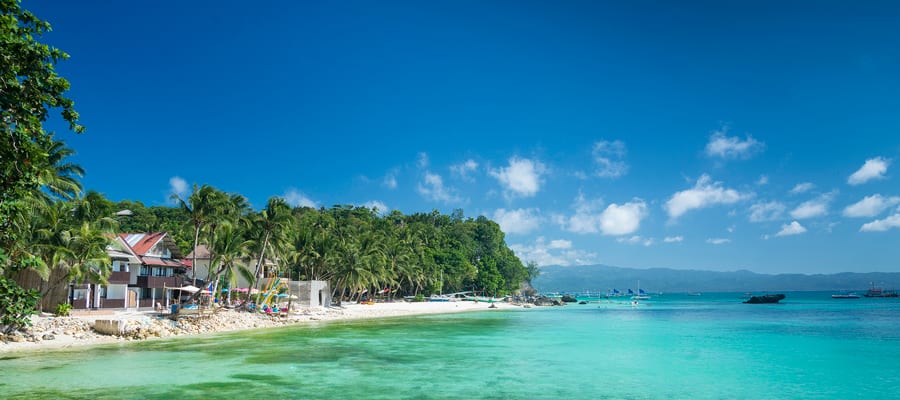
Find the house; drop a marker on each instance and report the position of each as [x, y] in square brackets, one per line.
[146, 267]
[201, 267]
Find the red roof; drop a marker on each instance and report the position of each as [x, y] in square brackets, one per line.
[141, 243]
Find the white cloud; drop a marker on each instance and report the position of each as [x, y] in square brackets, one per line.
[521, 178]
[390, 180]
[178, 186]
[586, 218]
[557, 252]
[673, 239]
[521, 221]
[422, 160]
[732, 147]
[560, 244]
[296, 198]
[635, 240]
[609, 159]
[794, 228]
[763, 180]
[769, 211]
[614, 220]
[802, 187]
[622, 219]
[871, 206]
[882, 225]
[874, 168]
[463, 169]
[717, 240]
[813, 208]
[433, 189]
[704, 194]
[379, 206]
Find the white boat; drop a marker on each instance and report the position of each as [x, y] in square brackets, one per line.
[484, 299]
[641, 295]
[448, 297]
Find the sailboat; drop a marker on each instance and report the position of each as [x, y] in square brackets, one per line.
[641, 294]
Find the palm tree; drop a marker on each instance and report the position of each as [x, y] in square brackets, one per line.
[227, 248]
[269, 227]
[56, 175]
[69, 250]
[205, 206]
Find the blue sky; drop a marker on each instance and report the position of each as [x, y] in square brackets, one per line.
[703, 135]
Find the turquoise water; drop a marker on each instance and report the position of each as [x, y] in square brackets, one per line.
[672, 347]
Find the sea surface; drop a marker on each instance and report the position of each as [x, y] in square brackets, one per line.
[673, 346]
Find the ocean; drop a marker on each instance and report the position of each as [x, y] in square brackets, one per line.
[673, 346]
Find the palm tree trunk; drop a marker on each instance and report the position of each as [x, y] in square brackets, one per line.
[194, 259]
[262, 255]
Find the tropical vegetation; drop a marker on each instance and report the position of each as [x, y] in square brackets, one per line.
[53, 234]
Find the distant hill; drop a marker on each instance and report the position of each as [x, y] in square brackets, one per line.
[603, 278]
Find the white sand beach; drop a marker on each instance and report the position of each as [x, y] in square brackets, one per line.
[54, 333]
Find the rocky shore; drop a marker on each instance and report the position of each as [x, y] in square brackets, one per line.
[48, 333]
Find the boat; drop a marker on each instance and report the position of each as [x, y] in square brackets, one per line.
[879, 292]
[845, 296]
[641, 294]
[695, 294]
[458, 296]
[437, 298]
[484, 299]
[765, 299]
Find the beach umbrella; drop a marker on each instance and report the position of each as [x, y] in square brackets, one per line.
[189, 288]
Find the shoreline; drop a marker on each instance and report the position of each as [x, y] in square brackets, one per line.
[63, 333]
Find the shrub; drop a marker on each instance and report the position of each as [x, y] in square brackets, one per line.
[16, 305]
[62, 310]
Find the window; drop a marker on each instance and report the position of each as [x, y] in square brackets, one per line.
[120, 266]
[145, 270]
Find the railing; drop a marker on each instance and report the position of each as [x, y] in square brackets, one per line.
[119, 278]
[112, 303]
[159, 281]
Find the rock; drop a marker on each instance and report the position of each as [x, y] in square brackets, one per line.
[765, 299]
[48, 336]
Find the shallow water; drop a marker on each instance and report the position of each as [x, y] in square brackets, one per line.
[673, 346]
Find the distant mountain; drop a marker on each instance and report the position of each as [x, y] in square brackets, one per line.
[603, 278]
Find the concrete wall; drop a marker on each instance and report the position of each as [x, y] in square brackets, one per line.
[311, 293]
[109, 326]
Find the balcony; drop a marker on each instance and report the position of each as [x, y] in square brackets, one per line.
[119, 278]
[159, 281]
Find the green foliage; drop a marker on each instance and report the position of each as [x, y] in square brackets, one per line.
[63, 309]
[419, 298]
[30, 88]
[16, 305]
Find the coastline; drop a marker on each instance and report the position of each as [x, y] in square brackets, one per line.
[77, 331]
